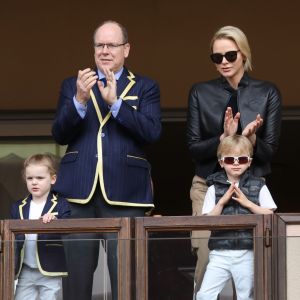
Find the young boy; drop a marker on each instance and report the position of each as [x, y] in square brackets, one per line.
[39, 260]
[233, 191]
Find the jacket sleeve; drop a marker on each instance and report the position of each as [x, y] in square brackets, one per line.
[143, 123]
[67, 122]
[200, 148]
[268, 139]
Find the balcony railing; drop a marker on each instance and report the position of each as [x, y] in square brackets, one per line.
[155, 261]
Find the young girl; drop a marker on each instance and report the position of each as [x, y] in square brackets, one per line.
[39, 259]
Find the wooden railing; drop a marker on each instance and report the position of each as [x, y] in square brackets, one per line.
[121, 226]
[271, 249]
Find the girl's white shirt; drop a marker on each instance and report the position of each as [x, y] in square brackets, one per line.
[35, 212]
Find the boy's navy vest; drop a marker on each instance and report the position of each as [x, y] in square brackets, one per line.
[234, 239]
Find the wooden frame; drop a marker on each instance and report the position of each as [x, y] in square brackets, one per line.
[144, 226]
[281, 223]
[270, 235]
[119, 225]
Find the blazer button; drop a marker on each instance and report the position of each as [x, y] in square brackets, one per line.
[102, 134]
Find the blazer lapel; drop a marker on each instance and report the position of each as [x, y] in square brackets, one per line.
[122, 83]
[50, 204]
[125, 83]
[24, 208]
[102, 106]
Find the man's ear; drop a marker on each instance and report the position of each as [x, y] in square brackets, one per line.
[126, 50]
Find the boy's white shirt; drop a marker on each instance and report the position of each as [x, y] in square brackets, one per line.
[35, 212]
[265, 199]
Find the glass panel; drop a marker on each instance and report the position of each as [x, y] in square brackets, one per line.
[173, 265]
[293, 261]
[84, 256]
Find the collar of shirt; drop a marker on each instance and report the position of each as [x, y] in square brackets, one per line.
[117, 74]
[243, 83]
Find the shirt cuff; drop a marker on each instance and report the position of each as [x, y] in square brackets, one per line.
[81, 108]
[116, 107]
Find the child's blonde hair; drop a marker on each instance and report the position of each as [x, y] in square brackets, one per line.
[46, 159]
[234, 142]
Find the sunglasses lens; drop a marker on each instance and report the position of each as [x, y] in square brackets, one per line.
[243, 160]
[231, 56]
[228, 160]
[216, 58]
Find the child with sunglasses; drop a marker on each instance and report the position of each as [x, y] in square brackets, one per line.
[233, 191]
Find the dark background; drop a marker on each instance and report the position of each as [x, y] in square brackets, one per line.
[43, 42]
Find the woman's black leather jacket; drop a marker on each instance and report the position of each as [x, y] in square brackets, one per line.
[206, 108]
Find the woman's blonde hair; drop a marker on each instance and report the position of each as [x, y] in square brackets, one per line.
[238, 36]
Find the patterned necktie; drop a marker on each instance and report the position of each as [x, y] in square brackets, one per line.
[103, 81]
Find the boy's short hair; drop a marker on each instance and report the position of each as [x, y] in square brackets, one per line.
[45, 159]
[234, 142]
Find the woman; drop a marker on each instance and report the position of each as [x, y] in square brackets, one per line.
[233, 103]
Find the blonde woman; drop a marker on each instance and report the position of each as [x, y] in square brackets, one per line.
[233, 103]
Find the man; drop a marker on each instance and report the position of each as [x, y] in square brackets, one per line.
[105, 116]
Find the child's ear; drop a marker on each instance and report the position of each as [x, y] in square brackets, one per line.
[249, 163]
[222, 163]
[53, 179]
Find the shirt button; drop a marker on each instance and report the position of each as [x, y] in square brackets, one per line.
[102, 134]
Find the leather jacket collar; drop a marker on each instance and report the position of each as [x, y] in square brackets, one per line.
[243, 82]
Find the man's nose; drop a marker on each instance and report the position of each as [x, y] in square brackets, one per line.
[105, 49]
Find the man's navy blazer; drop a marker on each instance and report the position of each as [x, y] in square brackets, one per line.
[50, 252]
[107, 150]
